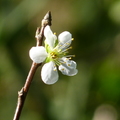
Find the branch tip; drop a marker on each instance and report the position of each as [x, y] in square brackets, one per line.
[23, 92]
[47, 19]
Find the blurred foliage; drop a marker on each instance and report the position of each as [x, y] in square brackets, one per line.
[95, 26]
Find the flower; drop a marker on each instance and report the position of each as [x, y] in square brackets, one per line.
[54, 54]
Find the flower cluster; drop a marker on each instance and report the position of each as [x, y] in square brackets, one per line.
[54, 54]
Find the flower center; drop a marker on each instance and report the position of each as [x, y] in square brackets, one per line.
[57, 53]
[53, 55]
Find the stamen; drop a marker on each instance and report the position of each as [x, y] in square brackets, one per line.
[73, 55]
[69, 56]
[59, 50]
[70, 47]
[67, 43]
[62, 46]
[63, 69]
[68, 64]
[59, 45]
[66, 50]
[66, 59]
[55, 69]
[54, 33]
[61, 61]
[57, 62]
[72, 39]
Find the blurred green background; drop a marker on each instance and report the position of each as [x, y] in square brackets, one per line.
[94, 93]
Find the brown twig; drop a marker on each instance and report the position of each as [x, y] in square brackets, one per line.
[23, 92]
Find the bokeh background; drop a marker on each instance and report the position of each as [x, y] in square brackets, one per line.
[94, 93]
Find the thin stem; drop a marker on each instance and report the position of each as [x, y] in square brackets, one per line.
[23, 92]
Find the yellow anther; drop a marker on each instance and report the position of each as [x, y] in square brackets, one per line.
[66, 59]
[62, 68]
[72, 39]
[73, 56]
[54, 33]
[68, 64]
[67, 43]
[60, 50]
[60, 45]
[54, 69]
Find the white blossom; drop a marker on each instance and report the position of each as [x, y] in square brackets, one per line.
[55, 53]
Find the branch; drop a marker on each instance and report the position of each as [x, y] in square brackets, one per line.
[23, 92]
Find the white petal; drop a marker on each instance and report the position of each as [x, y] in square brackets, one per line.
[49, 73]
[65, 37]
[69, 63]
[68, 68]
[50, 37]
[38, 54]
